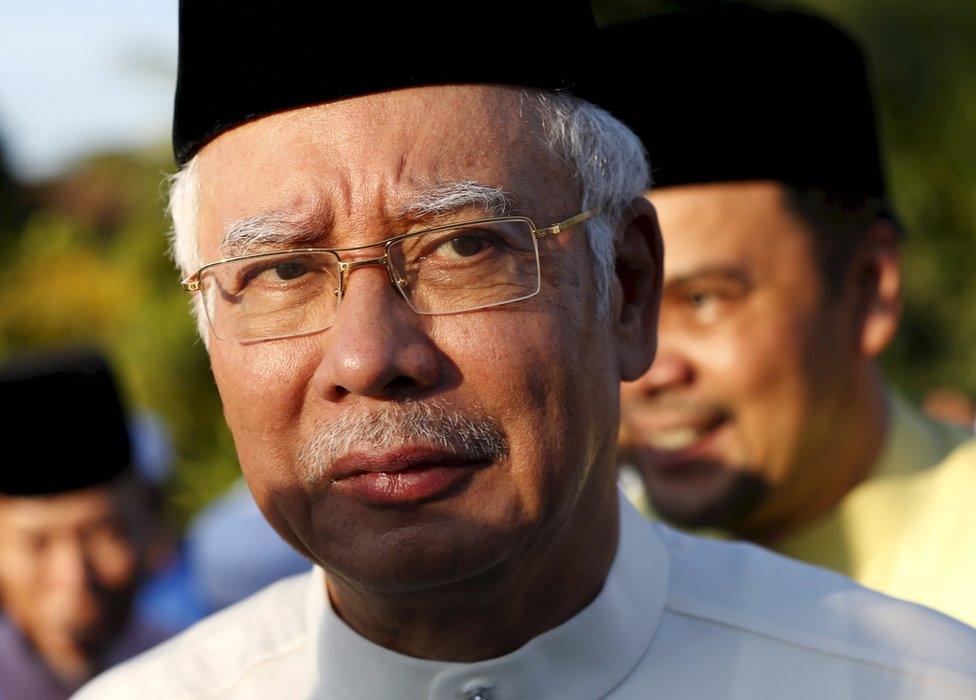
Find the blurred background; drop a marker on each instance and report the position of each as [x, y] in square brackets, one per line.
[85, 104]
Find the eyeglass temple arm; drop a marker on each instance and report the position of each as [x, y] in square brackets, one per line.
[556, 229]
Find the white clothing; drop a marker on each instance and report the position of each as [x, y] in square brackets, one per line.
[678, 617]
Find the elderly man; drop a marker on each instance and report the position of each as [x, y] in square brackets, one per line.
[765, 413]
[74, 529]
[421, 285]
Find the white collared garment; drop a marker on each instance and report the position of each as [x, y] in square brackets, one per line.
[678, 617]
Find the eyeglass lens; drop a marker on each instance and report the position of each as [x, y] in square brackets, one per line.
[449, 270]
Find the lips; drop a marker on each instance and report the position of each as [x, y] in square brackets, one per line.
[672, 439]
[405, 476]
[677, 439]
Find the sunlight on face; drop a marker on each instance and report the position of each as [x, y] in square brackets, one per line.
[416, 511]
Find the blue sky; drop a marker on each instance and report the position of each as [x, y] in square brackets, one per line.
[76, 77]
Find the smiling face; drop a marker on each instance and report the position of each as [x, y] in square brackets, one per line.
[745, 415]
[406, 451]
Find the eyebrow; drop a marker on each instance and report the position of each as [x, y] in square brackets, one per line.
[280, 228]
[703, 273]
[269, 229]
[453, 197]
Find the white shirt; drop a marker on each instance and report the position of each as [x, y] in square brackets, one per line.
[678, 617]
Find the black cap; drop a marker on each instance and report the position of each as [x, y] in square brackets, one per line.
[727, 91]
[65, 428]
[244, 59]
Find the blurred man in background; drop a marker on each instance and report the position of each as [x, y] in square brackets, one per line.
[950, 406]
[75, 529]
[765, 414]
[233, 552]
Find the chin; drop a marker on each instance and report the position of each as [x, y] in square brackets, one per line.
[403, 550]
[416, 564]
[101, 633]
[714, 499]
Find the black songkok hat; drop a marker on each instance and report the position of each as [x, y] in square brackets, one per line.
[244, 59]
[727, 91]
[66, 423]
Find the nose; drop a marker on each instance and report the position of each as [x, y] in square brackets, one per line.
[70, 568]
[670, 371]
[377, 347]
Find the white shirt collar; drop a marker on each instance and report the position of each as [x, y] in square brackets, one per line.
[586, 656]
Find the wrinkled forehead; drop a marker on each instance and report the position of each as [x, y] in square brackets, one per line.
[362, 159]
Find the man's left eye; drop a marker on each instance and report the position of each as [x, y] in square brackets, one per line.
[290, 270]
[463, 247]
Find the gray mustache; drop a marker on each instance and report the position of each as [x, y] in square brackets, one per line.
[434, 423]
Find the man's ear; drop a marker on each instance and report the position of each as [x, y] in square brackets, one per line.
[875, 280]
[637, 293]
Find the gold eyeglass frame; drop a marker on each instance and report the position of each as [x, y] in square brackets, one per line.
[193, 283]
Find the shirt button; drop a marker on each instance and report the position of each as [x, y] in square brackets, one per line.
[478, 689]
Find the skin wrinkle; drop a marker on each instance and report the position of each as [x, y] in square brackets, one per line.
[280, 229]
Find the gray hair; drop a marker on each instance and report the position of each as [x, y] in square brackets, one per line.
[607, 159]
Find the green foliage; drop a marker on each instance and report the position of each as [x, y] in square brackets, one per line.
[90, 266]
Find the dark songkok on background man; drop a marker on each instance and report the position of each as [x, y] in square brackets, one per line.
[74, 525]
[422, 268]
[765, 413]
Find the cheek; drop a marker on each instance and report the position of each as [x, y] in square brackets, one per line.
[500, 367]
[114, 563]
[262, 388]
[756, 369]
[526, 367]
[18, 567]
[20, 579]
[528, 356]
[755, 355]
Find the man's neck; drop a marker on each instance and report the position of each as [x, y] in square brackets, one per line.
[500, 610]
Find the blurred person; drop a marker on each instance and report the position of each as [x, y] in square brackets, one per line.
[171, 596]
[950, 406]
[421, 279]
[75, 528]
[765, 415]
[233, 552]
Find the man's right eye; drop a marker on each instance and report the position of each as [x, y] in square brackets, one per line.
[698, 305]
[708, 303]
[274, 272]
